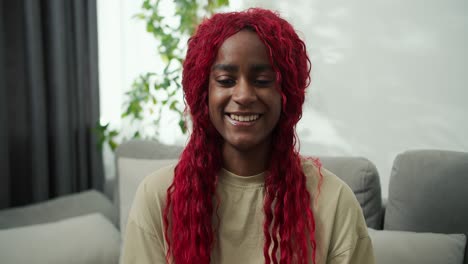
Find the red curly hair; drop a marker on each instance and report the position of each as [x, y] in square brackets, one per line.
[289, 226]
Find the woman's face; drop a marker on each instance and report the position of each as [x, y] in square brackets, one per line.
[244, 102]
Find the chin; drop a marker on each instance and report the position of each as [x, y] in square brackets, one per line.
[243, 145]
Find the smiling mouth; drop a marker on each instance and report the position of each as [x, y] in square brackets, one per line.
[244, 118]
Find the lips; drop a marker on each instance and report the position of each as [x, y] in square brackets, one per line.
[243, 119]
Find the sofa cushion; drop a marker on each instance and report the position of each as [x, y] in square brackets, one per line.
[414, 248]
[362, 176]
[64, 207]
[428, 192]
[89, 239]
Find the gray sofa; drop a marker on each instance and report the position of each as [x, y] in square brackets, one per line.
[424, 220]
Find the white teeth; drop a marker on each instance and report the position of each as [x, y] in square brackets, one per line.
[247, 118]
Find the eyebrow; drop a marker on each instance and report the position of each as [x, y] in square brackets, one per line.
[225, 67]
[261, 68]
[234, 68]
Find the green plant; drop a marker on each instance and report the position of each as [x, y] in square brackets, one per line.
[152, 94]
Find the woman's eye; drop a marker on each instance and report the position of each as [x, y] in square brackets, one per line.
[226, 82]
[263, 82]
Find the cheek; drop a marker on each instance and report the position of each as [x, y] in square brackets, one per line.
[277, 111]
[276, 103]
[211, 107]
[215, 102]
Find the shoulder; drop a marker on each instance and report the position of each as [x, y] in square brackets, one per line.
[338, 213]
[324, 184]
[330, 190]
[150, 197]
[159, 181]
[144, 233]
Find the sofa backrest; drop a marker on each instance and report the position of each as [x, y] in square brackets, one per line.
[363, 178]
[134, 160]
[428, 192]
[137, 158]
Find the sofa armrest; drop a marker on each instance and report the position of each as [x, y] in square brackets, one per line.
[90, 239]
[64, 207]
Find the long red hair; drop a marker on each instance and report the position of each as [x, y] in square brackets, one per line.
[289, 225]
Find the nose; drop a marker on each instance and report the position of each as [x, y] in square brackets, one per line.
[244, 93]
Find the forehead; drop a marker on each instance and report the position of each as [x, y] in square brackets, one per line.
[244, 47]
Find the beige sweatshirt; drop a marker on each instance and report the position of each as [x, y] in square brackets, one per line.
[341, 232]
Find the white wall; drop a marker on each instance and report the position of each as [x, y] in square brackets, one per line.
[126, 50]
[387, 76]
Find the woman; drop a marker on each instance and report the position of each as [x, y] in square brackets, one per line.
[240, 192]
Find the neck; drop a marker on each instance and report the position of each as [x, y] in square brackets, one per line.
[246, 162]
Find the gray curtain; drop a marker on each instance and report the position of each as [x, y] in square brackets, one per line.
[49, 100]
